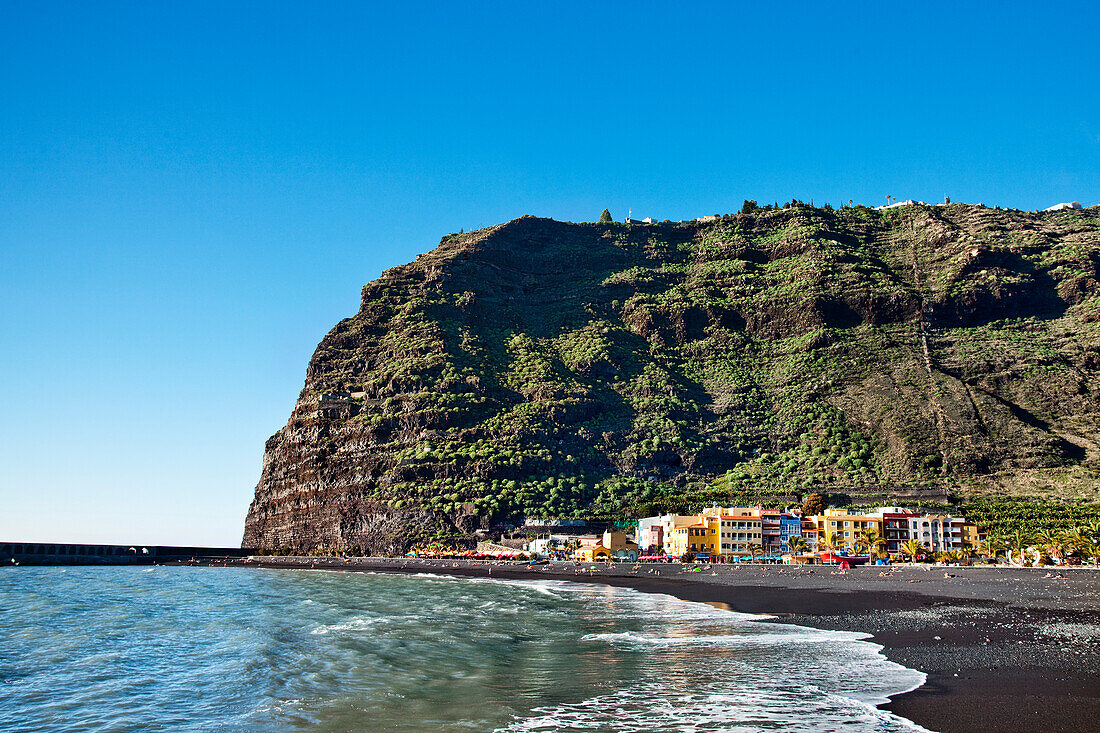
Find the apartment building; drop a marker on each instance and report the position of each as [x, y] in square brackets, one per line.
[845, 528]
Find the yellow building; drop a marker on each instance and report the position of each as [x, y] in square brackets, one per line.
[613, 546]
[694, 538]
[669, 524]
[970, 534]
[844, 527]
[735, 529]
[717, 531]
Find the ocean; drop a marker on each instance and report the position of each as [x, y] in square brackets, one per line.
[241, 649]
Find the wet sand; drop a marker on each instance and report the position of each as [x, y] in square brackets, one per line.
[1004, 649]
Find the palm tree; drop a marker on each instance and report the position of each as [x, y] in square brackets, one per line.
[994, 546]
[912, 548]
[872, 541]
[1090, 549]
[1053, 543]
[755, 548]
[1079, 539]
[829, 542]
[796, 545]
[1019, 542]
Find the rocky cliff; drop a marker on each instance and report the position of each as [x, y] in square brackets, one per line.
[541, 368]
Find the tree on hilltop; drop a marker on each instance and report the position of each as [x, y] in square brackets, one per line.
[749, 206]
[605, 217]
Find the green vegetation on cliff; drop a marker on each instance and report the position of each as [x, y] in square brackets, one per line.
[545, 369]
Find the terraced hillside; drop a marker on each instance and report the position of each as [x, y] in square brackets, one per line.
[540, 368]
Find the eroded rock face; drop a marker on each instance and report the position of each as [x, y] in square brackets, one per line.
[540, 368]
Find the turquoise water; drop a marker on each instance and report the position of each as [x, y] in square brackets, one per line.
[233, 649]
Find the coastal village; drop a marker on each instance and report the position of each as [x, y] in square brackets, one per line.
[740, 534]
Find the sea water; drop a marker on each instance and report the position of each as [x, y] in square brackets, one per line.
[242, 649]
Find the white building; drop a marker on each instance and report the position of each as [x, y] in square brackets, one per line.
[1063, 206]
[938, 532]
[542, 546]
[896, 204]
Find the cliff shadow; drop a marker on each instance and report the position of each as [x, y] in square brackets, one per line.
[1017, 289]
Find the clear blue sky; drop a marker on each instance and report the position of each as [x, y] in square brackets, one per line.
[192, 194]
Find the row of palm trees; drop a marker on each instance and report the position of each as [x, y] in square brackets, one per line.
[1082, 542]
[870, 540]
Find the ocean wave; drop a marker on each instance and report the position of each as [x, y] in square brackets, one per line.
[646, 708]
[856, 680]
[448, 655]
[748, 638]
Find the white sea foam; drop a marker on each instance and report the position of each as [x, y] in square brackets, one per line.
[358, 623]
[652, 707]
[833, 679]
[414, 654]
[749, 638]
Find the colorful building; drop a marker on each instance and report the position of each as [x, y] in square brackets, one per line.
[895, 527]
[942, 532]
[970, 536]
[809, 532]
[694, 538]
[777, 527]
[614, 545]
[733, 531]
[668, 524]
[844, 527]
[651, 539]
[718, 531]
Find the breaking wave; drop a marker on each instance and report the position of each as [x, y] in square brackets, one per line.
[235, 649]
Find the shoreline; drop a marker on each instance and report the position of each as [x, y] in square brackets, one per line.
[1002, 648]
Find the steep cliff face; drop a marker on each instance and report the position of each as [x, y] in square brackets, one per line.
[539, 368]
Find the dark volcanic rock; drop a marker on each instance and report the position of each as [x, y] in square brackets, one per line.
[539, 368]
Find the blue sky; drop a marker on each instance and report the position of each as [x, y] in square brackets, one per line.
[192, 194]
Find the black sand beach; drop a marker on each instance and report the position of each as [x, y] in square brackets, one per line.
[1004, 649]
